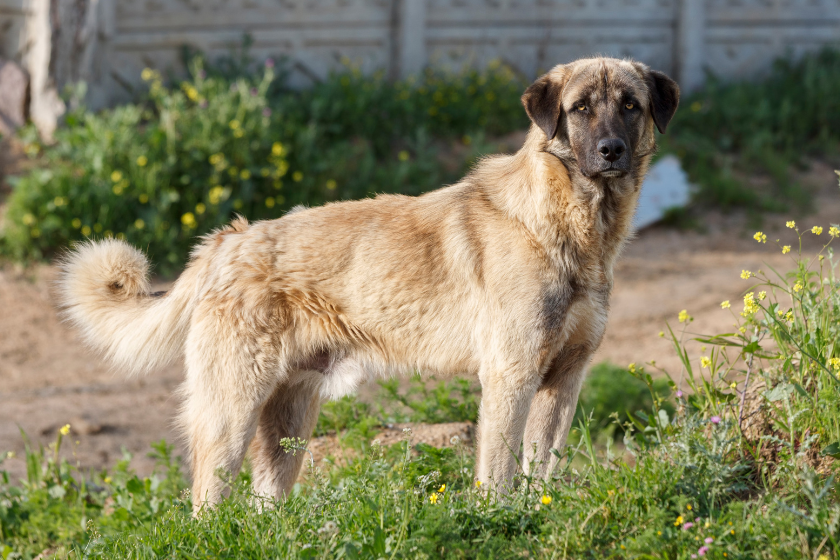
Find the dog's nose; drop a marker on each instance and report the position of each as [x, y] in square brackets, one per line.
[611, 148]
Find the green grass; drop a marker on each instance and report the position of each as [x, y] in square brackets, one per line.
[697, 469]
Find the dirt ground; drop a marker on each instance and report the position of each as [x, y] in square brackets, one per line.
[48, 379]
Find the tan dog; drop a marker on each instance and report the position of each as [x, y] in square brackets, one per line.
[505, 276]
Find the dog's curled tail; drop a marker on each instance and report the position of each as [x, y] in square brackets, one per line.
[104, 290]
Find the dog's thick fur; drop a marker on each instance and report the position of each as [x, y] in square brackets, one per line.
[505, 276]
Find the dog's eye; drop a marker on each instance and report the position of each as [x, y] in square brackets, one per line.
[629, 106]
[581, 107]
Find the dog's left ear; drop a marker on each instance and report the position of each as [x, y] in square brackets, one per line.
[543, 103]
[664, 98]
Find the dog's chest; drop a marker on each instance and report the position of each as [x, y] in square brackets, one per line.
[575, 307]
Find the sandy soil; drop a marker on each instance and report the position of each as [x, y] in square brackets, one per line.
[48, 379]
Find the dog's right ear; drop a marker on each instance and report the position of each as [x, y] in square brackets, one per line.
[543, 101]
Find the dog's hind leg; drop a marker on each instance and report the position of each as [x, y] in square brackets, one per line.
[292, 411]
[553, 409]
[230, 376]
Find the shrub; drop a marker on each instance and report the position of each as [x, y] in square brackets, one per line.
[180, 163]
[738, 140]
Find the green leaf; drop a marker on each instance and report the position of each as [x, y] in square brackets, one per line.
[831, 450]
[134, 485]
[779, 392]
[751, 348]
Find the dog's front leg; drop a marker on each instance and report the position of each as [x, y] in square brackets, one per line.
[553, 409]
[506, 397]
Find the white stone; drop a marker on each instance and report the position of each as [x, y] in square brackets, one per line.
[666, 186]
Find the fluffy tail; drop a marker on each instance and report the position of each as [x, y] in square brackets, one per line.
[104, 291]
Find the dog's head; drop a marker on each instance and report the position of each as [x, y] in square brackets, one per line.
[600, 113]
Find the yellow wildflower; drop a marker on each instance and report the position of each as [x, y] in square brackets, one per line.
[234, 124]
[142, 161]
[86, 231]
[433, 498]
[188, 220]
[725, 304]
[200, 208]
[760, 237]
[684, 316]
[546, 499]
[478, 484]
[331, 184]
[143, 198]
[746, 274]
[216, 159]
[798, 287]
[661, 334]
[277, 149]
[65, 429]
[834, 231]
[816, 230]
[791, 224]
[139, 223]
[678, 520]
[704, 363]
[688, 507]
[28, 219]
[789, 316]
[245, 174]
[116, 176]
[761, 296]
[632, 367]
[442, 489]
[834, 363]
[269, 202]
[192, 93]
[733, 385]
[147, 74]
[750, 306]
[786, 249]
[297, 176]
[76, 223]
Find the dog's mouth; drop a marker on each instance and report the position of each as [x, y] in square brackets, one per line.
[612, 173]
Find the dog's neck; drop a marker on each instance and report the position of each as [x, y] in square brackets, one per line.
[576, 219]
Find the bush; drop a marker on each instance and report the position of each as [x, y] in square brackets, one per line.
[180, 163]
[737, 140]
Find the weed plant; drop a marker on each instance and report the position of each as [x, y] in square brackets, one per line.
[741, 467]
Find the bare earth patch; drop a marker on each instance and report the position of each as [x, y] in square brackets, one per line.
[48, 379]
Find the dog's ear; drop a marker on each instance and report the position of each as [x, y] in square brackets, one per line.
[664, 98]
[543, 101]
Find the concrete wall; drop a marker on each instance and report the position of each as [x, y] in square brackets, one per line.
[108, 42]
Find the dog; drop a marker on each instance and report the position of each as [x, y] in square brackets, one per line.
[505, 276]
